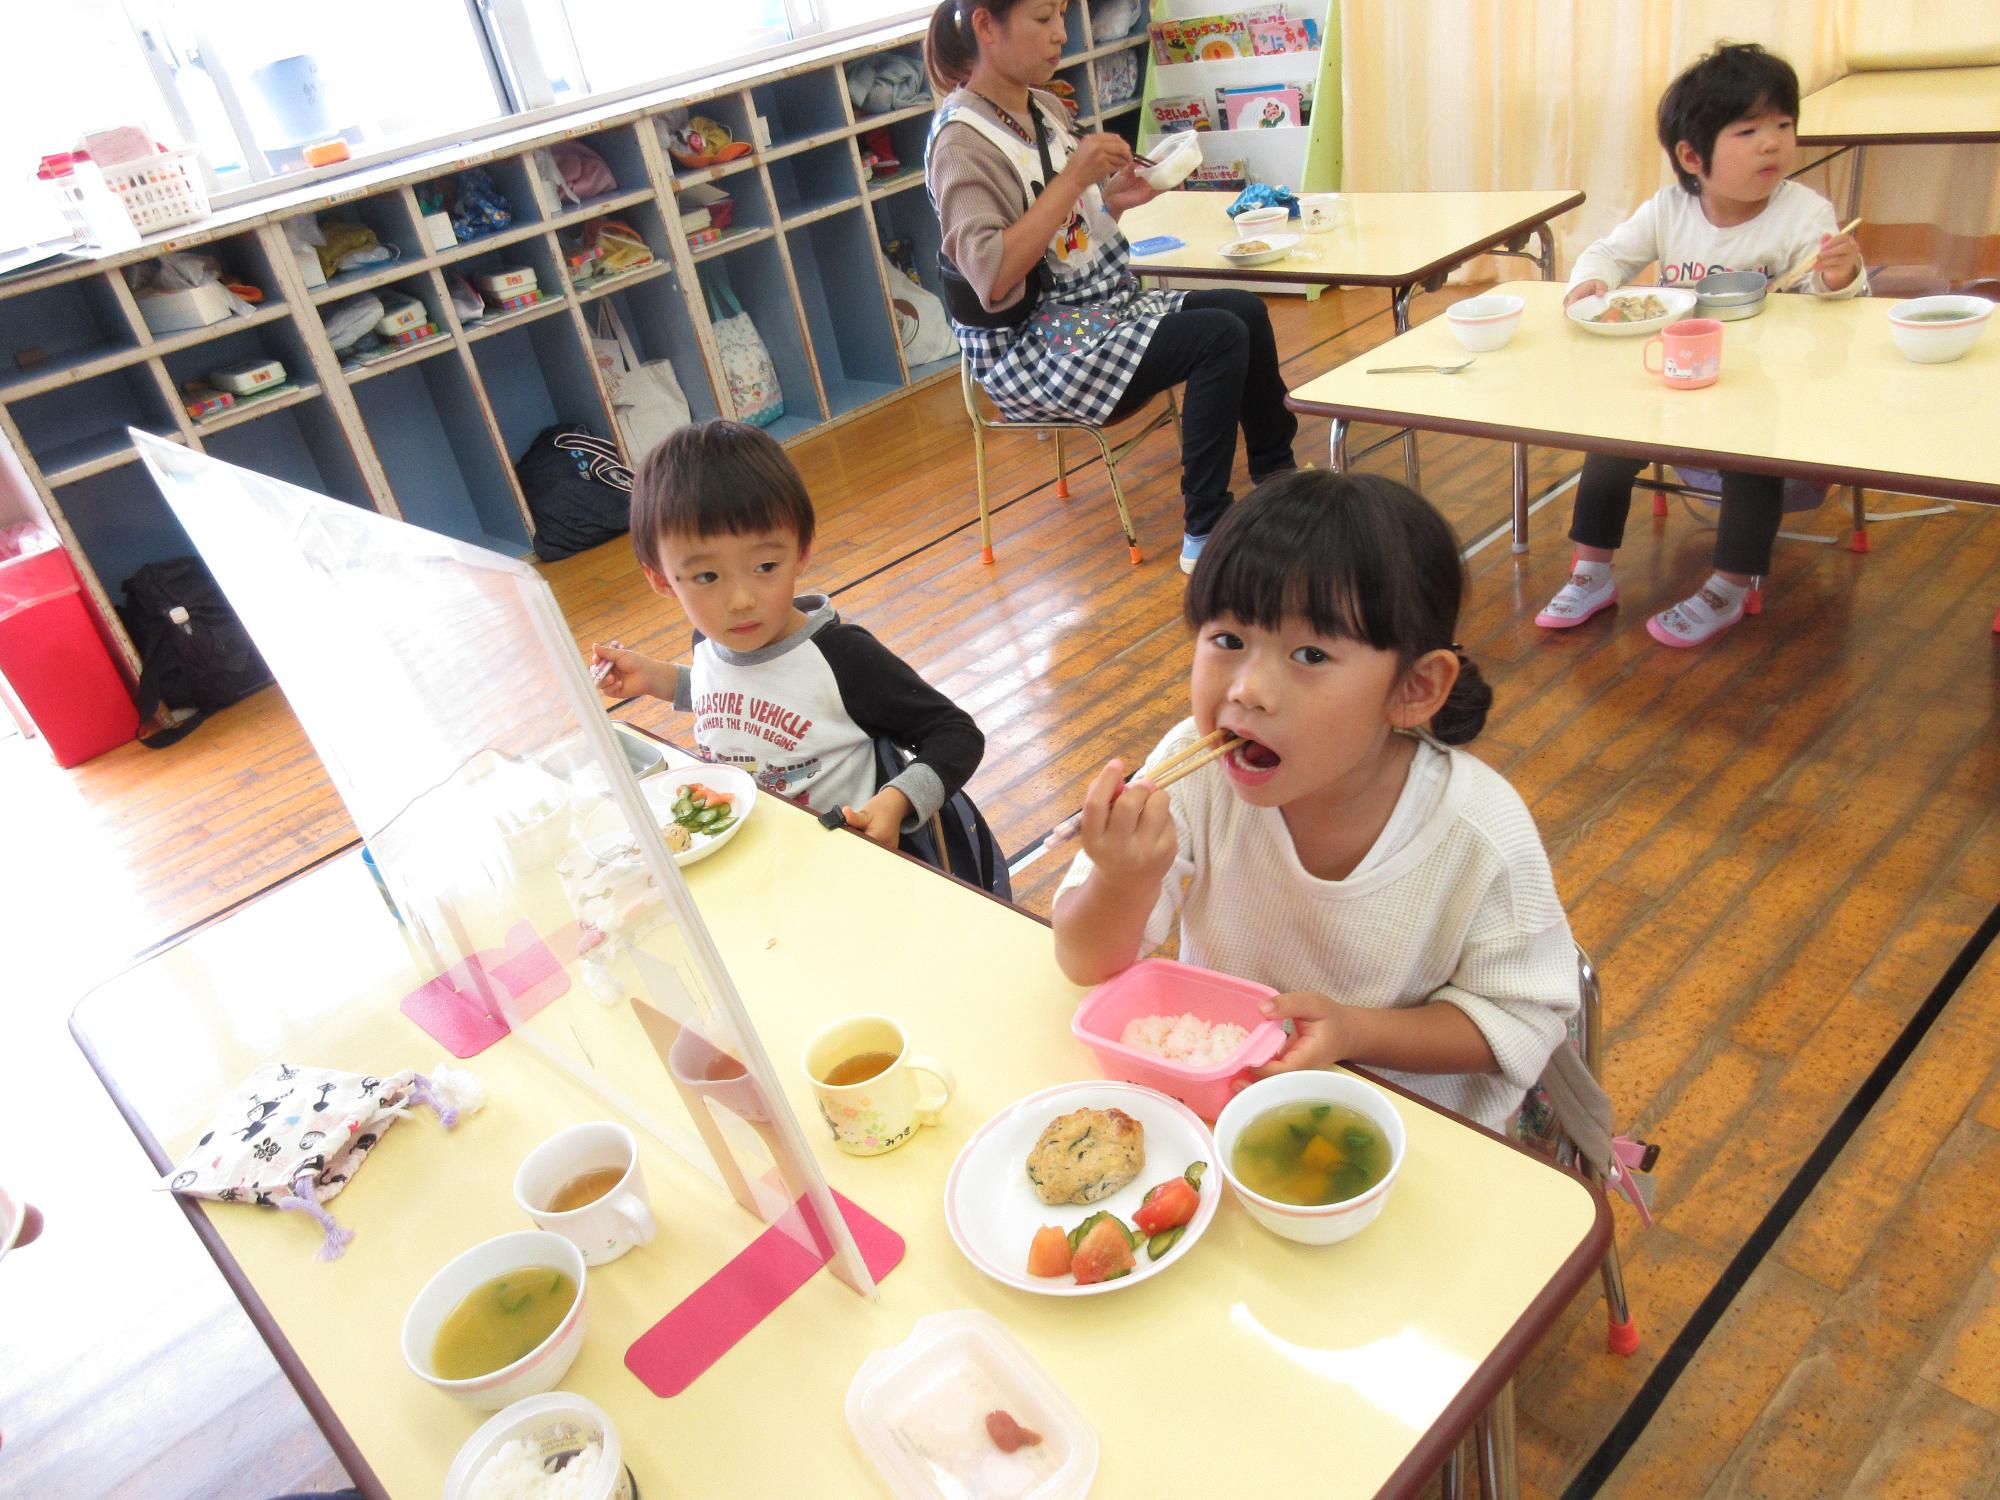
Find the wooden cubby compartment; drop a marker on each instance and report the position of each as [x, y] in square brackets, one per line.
[59, 330]
[394, 226]
[301, 443]
[78, 429]
[418, 415]
[867, 118]
[802, 107]
[656, 317]
[757, 274]
[853, 337]
[816, 180]
[535, 377]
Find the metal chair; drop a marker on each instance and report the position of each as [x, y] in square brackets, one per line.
[1493, 1431]
[981, 425]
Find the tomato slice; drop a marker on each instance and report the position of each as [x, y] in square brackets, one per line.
[1103, 1254]
[1167, 1206]
[1049, 1254]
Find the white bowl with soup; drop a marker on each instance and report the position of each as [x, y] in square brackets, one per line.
[1313, 1156]
[1937, 330]
[500, 1322]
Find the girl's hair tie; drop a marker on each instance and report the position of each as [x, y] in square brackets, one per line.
[1456, 649]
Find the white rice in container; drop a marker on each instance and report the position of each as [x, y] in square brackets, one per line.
[515, 1472]
[1185, 1039]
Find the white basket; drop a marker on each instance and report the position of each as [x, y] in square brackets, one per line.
[112, 207]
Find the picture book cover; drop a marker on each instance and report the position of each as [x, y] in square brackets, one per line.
[1182, 112]
[1272, 38]
[1264, 106]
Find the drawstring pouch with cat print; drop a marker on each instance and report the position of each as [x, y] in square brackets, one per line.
[292, 1137]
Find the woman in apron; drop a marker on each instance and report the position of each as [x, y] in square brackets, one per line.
[1039, 281]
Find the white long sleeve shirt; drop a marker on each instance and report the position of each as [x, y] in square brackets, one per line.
[1456, 903]
[1671, 228]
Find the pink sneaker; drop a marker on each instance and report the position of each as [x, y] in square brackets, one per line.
[1696, 620]
[1577, 600]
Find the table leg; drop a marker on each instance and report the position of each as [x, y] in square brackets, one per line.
[1854, 185]
[1546, 256]
[1337, 456]
[1399, 309]
[1520, 467]
[1495, 1437]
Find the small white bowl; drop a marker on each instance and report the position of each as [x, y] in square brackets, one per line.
[1276, 246]
[1254, 221]
[1926, 342]
[1329, 1223]
[542, 1368]
[1483, 324]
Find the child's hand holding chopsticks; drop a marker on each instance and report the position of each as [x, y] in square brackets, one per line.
[1114, 810]
[620, 673]
[1839, 259]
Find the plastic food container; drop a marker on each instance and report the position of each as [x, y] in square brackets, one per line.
[919, 1412]
[1162, 987]
[556, 1424]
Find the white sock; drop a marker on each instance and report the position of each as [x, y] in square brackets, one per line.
[1731, 594]
[1590, 575]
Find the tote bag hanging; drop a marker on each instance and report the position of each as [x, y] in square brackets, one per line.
[645, 396]
[921, 324]
[746, 363]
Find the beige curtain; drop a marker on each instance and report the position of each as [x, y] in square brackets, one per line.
[1476, 94]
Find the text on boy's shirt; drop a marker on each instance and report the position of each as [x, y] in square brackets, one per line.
[1694, 270]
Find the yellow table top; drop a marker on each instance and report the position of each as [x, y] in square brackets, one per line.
[1344, 1357]
[1808, 387]
[1382, 239]
[1909, 106]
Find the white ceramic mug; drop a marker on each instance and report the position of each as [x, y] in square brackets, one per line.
[694, 1060]
[879, 1113]
[607, 1227]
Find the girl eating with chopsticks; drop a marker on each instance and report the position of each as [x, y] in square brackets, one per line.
[1314, 824]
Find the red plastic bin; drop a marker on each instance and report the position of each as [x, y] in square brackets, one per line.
[54, 663]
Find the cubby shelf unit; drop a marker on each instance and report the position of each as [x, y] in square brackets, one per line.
[431, 433]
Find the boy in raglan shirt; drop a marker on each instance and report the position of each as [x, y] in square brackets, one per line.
[779, 685]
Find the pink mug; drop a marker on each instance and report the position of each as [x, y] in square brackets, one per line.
[1691, 353]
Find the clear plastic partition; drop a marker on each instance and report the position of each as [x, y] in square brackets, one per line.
[441, 687]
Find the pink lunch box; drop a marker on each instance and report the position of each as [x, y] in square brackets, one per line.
[1163, 987]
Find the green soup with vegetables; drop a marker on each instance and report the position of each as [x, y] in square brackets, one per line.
[500, 1321]
[1936, 315]
[1310, 1154]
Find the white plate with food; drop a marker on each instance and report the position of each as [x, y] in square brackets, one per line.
[1258, 249]
[1112, 1154]
[1632, 311]
[698, 808]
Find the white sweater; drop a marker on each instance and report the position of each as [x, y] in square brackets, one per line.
[1671, 228]
[1465, 911]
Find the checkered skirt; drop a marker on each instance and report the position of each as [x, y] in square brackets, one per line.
[1030, 380]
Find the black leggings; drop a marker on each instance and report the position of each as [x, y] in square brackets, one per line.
[1752, 507]
[1221, 344]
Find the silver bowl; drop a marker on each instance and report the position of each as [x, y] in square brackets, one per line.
[1730, 295]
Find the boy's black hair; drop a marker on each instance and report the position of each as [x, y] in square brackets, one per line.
[717, 478]
[1358, 557]
[1735, 80]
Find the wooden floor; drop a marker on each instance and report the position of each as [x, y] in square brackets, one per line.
[1780, 850]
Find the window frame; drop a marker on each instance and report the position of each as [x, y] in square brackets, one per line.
[508, 63]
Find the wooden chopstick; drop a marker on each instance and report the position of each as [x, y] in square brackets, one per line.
[1805, 267]
[1182, 763]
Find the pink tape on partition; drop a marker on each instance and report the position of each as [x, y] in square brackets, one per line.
[672, 1354]
[449, 1007]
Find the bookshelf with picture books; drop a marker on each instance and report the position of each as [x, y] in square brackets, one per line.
[1261, 84]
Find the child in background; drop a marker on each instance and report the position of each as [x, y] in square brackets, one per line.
[780, 685]
[1729, 126]
[1390, 886]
